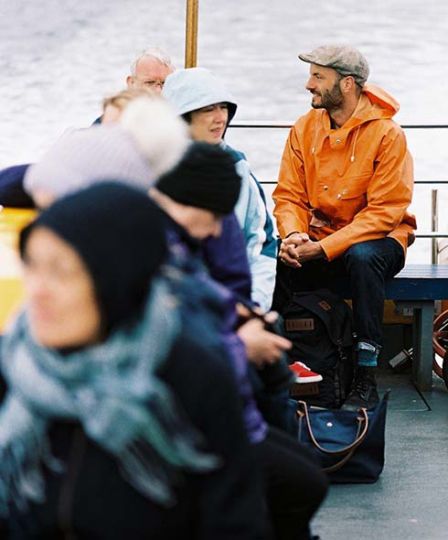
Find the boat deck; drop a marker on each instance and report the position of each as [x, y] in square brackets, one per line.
[410, 499]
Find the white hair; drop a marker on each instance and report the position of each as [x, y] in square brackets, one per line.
[157, 54]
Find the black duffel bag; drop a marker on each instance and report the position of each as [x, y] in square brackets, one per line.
[349, 444]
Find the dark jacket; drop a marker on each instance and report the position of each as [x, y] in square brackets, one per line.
[92, 500]
[186, 255]
[226, 258]
[12, 193]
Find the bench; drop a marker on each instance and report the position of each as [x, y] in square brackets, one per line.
[417, 287]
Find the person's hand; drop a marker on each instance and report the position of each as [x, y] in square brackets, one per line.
[295, 255]
[309, 251]
[262, 346]
[296, 239]
[287, 252]
[245, 313]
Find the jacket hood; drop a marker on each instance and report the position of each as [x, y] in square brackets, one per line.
[379, 104]
[193, 88]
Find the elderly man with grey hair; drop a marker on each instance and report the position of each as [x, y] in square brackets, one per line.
[345, 183]
[150, 69]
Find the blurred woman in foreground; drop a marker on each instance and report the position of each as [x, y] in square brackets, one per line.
[111, 426]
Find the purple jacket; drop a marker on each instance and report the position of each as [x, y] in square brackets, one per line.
[226, 258]
[185, 253]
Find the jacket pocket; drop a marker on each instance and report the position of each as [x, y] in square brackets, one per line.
[355, 187]
[352, 198]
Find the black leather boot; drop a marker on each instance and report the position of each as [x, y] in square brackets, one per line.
[364, 392]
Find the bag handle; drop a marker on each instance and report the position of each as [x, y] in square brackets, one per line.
[361, 432]
[339, 464]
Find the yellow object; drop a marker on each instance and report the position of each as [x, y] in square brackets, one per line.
[12, 220]
[11, 294]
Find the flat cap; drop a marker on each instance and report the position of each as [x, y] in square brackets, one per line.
[344, 59]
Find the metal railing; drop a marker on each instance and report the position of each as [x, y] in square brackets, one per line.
[434, 234]
[288, 124]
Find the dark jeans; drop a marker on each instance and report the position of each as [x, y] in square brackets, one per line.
[295, 484]
[364, 268]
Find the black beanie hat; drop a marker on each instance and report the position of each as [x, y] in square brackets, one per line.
[205, 178]
[119, 233]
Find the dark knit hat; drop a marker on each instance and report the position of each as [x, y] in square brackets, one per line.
[205, 178]
[119, 233]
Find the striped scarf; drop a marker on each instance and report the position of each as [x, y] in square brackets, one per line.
[114, 391]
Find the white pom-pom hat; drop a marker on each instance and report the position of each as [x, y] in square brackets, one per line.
[148, 141]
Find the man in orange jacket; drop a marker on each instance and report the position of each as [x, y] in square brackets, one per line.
[345, 183]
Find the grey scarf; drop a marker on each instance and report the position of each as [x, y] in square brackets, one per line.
[113, 390]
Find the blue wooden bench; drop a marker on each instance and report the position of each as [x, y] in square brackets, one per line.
[418, 286]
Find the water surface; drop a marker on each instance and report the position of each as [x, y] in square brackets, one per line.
[60, 58]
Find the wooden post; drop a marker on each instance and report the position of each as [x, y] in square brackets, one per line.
[434, 226]
[191, 34]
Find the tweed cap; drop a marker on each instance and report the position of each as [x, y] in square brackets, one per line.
[344, 59]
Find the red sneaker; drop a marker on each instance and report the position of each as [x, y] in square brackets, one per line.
[304, 374]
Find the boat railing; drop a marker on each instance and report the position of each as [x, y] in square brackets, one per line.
[434, 234]
[287, 124]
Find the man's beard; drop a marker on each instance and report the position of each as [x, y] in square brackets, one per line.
[330, 99]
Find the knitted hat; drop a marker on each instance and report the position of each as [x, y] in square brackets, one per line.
[119, 234]
[149, 140]
[205, 178]
[86, 156]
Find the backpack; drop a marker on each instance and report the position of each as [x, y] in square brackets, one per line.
[320, 326]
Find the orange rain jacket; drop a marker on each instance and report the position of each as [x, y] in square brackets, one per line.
[347, 185]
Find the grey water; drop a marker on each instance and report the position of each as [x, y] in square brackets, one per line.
[59, 58]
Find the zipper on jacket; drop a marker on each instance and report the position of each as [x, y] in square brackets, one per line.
[66, 495]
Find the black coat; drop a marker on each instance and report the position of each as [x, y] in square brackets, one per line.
[91, 500]
[12, 192]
